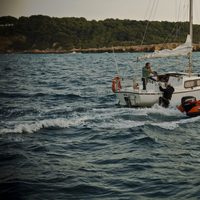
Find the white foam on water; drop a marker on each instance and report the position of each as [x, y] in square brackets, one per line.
[171, 125]
[115, 122]
[156, 109]
[166, 125]
[125, 124]
[119, 124]
[107, 118]
[36, 126]
[100, 114]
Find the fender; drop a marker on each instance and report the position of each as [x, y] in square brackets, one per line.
[116, 84]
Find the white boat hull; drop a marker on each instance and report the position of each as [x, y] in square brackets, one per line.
[133, 99]
[146, 98]
[137, 99]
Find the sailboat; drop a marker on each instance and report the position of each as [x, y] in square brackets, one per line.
[184, 83]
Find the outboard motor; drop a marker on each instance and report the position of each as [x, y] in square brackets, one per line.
[188, 102]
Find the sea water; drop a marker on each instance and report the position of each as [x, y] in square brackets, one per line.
[62, 136]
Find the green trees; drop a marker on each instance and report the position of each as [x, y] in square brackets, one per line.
[44, 32]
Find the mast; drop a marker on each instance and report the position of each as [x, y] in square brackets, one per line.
[191, 34]
[191, 20]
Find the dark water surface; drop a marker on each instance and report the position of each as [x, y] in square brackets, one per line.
[63, 137]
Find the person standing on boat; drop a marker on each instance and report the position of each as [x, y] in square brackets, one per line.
[167, 95]
[146, 71]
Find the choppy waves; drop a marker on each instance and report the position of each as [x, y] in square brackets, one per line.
[63, 137]
[107, 118]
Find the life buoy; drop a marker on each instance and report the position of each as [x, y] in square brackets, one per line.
[116, 84]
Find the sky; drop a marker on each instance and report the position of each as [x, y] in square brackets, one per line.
[161, 10]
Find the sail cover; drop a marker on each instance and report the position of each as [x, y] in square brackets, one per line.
[181, 50]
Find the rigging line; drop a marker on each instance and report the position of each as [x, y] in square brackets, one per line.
[197, 16]
[155, 10]
[148, 21]
[175, 9]
[147, 10]
[185, 11]
[179, 12]
[177, 33]
[166, 40]
[176, 27]
[185, 15]
[116, 64]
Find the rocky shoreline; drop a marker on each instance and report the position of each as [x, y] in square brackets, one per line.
[136, 48]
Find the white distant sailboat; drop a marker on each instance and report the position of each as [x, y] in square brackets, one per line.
[185, 84]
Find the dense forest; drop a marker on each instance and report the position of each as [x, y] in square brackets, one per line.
[44, 32]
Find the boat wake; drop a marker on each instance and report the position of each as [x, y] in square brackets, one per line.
[109, 118]
[32, 127]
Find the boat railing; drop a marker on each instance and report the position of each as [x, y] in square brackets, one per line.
[131, 82]
[127, 82]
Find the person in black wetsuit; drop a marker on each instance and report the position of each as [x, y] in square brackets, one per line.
[167, 95]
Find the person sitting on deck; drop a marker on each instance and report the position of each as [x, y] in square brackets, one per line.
[146, 71]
